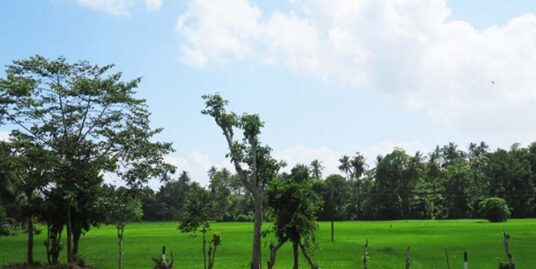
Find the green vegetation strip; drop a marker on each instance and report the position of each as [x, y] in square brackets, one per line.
[387, 244]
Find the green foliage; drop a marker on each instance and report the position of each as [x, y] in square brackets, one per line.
[145, 240]
[120, 206]
[88, 122]
[494, 209]
[294, 204]
[198, 210]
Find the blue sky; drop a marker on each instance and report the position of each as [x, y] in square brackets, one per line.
[328, 77]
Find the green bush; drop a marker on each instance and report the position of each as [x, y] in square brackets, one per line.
[494, 209]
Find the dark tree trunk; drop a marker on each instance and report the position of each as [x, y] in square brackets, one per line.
[69, 235]
[273, 253]
[256, 261]
[308, 258]
[295, 246]
[77, 233]
[47, 243]
[120, 230]
[53, 242]
[332, 215]
[204, 248]
[30, 241]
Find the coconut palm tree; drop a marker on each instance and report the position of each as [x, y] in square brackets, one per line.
[316, 168]
[345, 165]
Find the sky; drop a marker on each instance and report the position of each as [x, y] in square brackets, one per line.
[328, 77]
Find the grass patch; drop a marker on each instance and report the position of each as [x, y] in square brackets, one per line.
[389, 239]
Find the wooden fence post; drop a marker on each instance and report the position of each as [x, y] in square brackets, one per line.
[511, 263]
[447, 257]
[408, 259]
[365, 256]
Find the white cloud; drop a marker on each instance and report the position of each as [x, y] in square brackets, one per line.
[119, 7]
[153, 5]
[407, 51]
[301, 154]
[197, 165]
[215, 33]
[4, 136]
[387, 146]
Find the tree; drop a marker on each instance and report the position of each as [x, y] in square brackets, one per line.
[295, 205]
[345, 165]
[29, 172]
[494, 209]
[121, 208]
[220, 193]
[396, 175]
[198, 210]
[358, 166]
[252, 161]
[510, 177]
[316, 169]
[173, 196]
[89, 119]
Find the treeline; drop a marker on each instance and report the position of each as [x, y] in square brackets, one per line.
[447, 183]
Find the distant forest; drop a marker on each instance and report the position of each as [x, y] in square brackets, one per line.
[447, 183]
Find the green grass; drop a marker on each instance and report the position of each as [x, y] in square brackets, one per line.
[387, 243]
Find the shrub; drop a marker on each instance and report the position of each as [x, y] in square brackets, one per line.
[494, 209]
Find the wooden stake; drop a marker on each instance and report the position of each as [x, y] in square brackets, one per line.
[447, 258]
[408, 259]
[511, 262]
[365, 256]
[465, 262]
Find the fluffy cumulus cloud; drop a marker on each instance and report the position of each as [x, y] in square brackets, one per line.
[120, 7]
[407, 51]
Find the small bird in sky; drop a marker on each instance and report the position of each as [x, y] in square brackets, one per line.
[493, 82]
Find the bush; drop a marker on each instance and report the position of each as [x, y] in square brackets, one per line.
[243, 217]
[494, 209]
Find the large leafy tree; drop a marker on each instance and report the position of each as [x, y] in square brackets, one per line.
[510, 177]
[395, 176]
[252, 161]
[220, 192]
[89, 118]
[294, 204]
[173, 196]
[31, 171]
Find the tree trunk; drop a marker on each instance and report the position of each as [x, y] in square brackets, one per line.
[47, 243]
[204, 248]
[296, 254]
[77, 232]
[30, 241]
[308, 258]
[273, 253]
[332, 215]
[120, 229]
[256, 261]
[69, 235]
